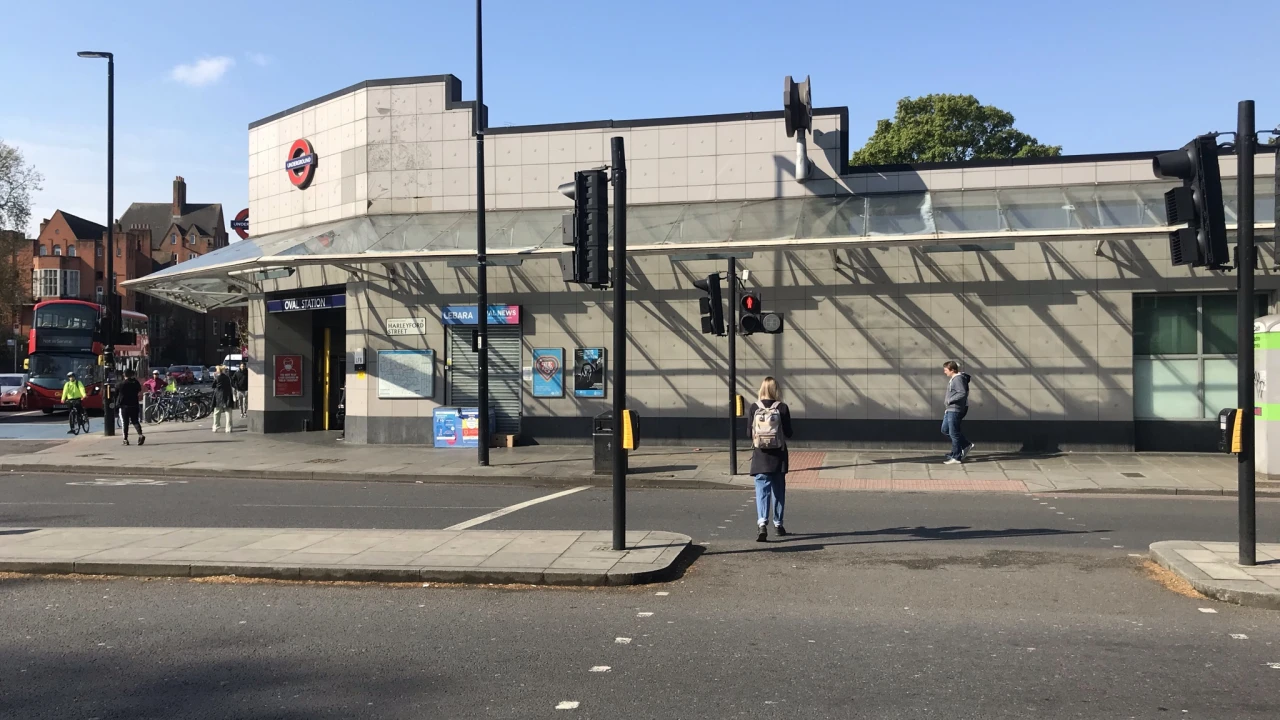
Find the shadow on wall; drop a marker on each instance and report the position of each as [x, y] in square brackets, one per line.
[1045, 327]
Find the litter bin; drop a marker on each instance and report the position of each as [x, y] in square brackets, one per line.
[602, 439]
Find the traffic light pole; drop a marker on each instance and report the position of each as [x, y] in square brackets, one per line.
[733, 366]
[482, 271]
[1246, 139]
[619, 164]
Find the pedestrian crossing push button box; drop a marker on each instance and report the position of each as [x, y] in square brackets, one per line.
[1229, 430]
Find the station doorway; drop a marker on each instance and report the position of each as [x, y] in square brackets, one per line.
[329, 348]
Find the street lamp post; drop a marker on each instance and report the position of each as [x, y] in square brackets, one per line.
[108, 422]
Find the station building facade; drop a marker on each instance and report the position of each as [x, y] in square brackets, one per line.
[1048, 280]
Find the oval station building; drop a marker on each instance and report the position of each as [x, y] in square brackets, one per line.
[1049, 280]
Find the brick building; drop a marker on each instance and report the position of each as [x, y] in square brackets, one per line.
[67, 260]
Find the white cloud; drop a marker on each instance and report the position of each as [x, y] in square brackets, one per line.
[204, 71]
[259, 59]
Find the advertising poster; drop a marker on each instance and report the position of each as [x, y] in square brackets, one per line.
[447, 427]
[548, 372]
[288, 376]
[588, 372]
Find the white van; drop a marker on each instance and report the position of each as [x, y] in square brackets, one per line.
[233, 361]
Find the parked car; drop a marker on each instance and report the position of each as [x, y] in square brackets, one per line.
[183, 374]
[13, 391]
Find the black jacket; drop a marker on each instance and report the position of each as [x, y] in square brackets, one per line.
[240, 380]
[127, 392]
[222, 392]
[770, 461]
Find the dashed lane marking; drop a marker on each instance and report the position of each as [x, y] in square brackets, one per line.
[600, 668]
[1210, 611]
[568, 705]
[1239, 636]
[644, 614]
[622, 641]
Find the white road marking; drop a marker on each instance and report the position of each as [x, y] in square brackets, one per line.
[121, 482]
[662, 594]
[1274, 666]
[1135, 554]
[54, 503]
[518, 506]
[622, 641]
[1238, 636]
[600, 668]
[1118, 547]
[379, 507]
[1211, 611]
[644, 614]
[568, 705]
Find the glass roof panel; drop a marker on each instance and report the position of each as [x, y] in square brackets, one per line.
[910, 214]
[827, 217]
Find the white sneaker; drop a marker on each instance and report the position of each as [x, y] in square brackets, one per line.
[965, 452]
[951, 461]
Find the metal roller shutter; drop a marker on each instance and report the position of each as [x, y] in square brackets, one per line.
[505, 351]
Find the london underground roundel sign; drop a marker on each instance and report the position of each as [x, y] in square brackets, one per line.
[241, 224]
[301, 163]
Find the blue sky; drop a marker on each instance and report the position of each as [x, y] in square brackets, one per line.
[1091, 76]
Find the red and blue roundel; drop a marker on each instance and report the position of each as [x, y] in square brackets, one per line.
[241, 224]
[301, 163]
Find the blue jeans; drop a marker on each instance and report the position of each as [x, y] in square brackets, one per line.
[951, 428]
[770, 485]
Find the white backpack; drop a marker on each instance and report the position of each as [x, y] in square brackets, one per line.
[766, 428]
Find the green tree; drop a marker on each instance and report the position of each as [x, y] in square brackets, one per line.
[18, 181]
[942, 128]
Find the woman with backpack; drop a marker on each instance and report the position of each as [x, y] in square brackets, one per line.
[770, 428]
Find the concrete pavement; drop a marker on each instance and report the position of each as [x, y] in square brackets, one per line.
[453, 556]
[176, 450]
[1212, 569]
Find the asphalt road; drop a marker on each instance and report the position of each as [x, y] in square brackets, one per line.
[881, 606]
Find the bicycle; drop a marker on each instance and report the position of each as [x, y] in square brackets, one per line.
[79, 419]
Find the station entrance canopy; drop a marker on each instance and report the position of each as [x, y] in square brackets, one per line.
[939, 217]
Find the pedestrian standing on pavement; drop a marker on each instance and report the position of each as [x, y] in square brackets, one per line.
[128, 394]
[957, 406]
[770, 428]
[152, 389]
[222, 399]
[240, 383]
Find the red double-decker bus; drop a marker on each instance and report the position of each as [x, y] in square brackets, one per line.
[66, 336]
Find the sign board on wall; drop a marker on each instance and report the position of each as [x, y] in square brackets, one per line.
[548, 372]
[406, 374]
[288, 376]
[241, 224]
[324, 302]
[588, 372]
[407, 326]
[470, 315]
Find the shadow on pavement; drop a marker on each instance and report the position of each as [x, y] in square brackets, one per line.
[915, 534]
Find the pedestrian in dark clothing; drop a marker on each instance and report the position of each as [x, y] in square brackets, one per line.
[223, 399]
[128, 394]
[240, 384]
[770, 422]
[957, 406]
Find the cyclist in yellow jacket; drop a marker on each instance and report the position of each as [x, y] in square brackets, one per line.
[72, 395]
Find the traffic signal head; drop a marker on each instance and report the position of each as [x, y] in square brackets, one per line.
[1198, 203]
[749, 305]
[590, 226]
[711, 305]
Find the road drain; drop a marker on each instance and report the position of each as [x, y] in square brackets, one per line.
[1133, 475]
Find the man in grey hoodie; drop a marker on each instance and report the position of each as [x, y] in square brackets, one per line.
[957, 402]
